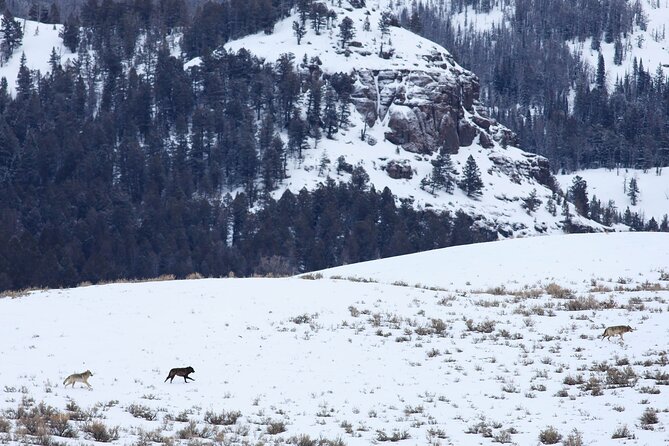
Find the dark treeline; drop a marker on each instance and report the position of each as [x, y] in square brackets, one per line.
[118, 166]
[43, 10]
[528, 75]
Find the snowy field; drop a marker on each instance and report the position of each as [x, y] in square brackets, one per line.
[480, 344]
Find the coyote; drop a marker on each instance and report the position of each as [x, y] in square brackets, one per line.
[181, 371]
[616, 330]
[78, 377]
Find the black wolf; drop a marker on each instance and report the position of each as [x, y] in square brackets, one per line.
[181, 371]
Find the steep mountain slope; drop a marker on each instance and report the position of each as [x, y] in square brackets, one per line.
[411, 100]
[482, 344]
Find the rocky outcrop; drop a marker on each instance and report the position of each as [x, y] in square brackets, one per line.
[399, 169]
[425, 109]
[530, 166]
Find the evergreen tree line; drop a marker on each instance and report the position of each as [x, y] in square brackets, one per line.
[83, 230]
[528, 75]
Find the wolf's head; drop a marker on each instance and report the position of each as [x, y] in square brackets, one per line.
[87, 373]
[190, 370]
[628, 328]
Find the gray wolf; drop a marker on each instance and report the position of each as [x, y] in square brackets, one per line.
[616, 330]
[78, 377]
[181, 371]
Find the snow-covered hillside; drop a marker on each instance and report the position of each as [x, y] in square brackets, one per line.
[649, 46]
[399, 104]
[653, 197]
[39, 39]
[480, 344]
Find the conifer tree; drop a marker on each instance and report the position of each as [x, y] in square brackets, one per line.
[442, 176]
[471, 183]
[551, 206]
[601, 73]
[24, 81]
[633, 191]
[531, 203]
[314, 100]
[299, 31]
[330, 115]
[579, 195]
[70, 34]
[297, 134]
[618, 52]
[12, 34]
[346, 31]
[384, 23]
[318, 16]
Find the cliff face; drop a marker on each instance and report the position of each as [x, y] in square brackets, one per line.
[438, 107]
[428, 108]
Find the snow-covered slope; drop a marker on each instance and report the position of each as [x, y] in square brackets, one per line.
[479, 344]
[653, 198]
[648, 46]
[421, 92]
[39, 39]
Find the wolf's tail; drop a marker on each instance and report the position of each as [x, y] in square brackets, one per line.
[66, 379]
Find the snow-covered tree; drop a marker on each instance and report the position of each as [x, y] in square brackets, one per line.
[633, 191]
[346, 31]
[471, 183]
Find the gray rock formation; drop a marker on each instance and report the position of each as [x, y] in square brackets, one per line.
[426, 109]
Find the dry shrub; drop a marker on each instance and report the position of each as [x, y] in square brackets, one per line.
[594, 386]
[572, 381]
[573, 439]
[13, 294]
[438, 325]
[5, 425]
[550, 435]
[276, 427]
[161, 278]
[621, 377]
[622, 432]
[558, 292]
[582, 303]
[154, 436]
[193, 431]
[394, 437]
[497, 291]
[306, 440]
[486, 326]
[222, 419]
[75, 413]
[98, 431]
[649, 417]
[141, 411]
[60, 426]
[33, 421]
[275, 266]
